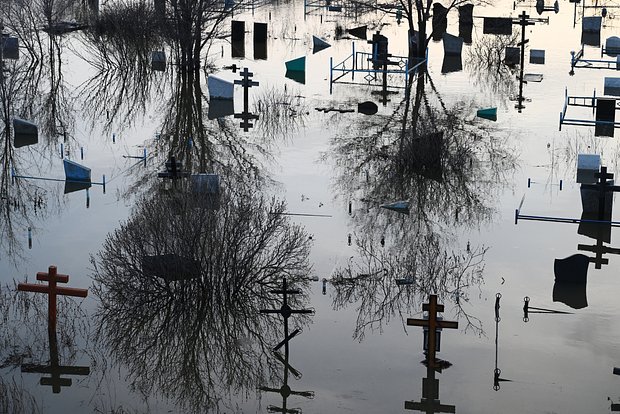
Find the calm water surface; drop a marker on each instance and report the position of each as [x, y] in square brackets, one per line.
[203, 345]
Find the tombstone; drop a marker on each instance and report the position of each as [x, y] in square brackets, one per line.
[413, 40]
[590, 202]
[426, 155]
[220, 88]
[533, 77]
[605, 111]
[497, 25]
[451, 63]
[220, 108]
[379, 50]
[24, 133]
[158, 60]
[573, 269]
[204, 183]
[260, 40]
[540, 6]
[359, 32]
[573, 295]
[452, 45]
[229, 4]
[512, 56]
[440, 21]
[612, 46]
[296, 75]
[10, 47]
[465, 32]
[587, 166]
[73, 186]
[591, 39]
[296, 65]
[466, 14]
[75, 171]
[319, 44]
[170, 267]
[591, 24]
[487, 113]
[537, 56]
[237, 39]
[612, 86]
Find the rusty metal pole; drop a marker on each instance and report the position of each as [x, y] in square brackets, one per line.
[52, 299]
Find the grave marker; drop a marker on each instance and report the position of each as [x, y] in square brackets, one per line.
[51, 289]
[434, 325]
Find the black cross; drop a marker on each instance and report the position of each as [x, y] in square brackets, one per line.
[246, 83]
[430, 403]
[523, 21]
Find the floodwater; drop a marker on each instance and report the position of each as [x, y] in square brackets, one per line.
[299, 199]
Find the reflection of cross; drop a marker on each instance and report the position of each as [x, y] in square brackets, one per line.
[523, 21]
[600, 250]
[246, 83]
[430, 403]
[433, 324]
[54, 368]
[285, 390]
[52, 290]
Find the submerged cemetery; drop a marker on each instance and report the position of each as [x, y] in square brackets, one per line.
[319, 206]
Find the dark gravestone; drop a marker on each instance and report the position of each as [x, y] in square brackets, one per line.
[238, 39]
[606, 112]
[24, 133]
[10, 47]
[497, 25]
[260, 40]
[426, 156]
[573, 269]
[570, 294]
[466, 14]
[590, 206]
[219, 108]
[73, 186]
[451, 63]
[379, 50]
[440, 21]
[170, 267]
[571, 275]
[591, 39]
[513, 56]
[465, 31]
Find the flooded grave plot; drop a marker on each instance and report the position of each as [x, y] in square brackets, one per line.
[318, 206]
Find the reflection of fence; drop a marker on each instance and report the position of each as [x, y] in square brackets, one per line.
[577, 61]
[584, 102]
[342, 8]
[362, 63]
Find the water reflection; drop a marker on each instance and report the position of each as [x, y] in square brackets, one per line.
[198, 340]
[448, 170]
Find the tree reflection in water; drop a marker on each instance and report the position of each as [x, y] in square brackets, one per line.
[449, 169]
[199, 340]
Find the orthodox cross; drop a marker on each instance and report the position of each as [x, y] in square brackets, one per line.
[52, 290]
[523, 21]
[285, 390]
[54, 369]
[433, 325]
[246, 83]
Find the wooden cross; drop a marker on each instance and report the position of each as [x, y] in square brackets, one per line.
[52, 277]
[54, 368]
[433, 325]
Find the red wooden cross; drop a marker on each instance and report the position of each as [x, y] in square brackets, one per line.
[433, 324]
[52, 277]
